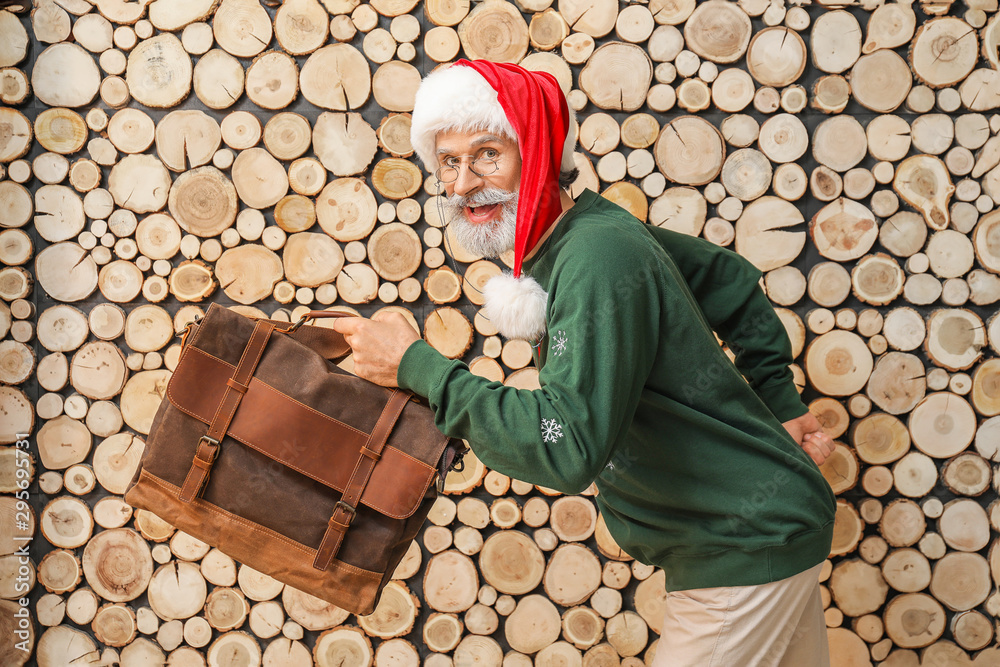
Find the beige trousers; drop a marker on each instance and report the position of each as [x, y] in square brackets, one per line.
[779, 624]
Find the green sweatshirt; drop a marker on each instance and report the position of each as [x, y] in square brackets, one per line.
[694, 470]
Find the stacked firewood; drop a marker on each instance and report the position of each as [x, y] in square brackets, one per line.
[156, 156]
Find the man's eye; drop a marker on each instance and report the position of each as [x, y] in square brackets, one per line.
[491, 153]
[451, 162]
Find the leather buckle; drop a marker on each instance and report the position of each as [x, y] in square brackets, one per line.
[216, 447]
[347, 508]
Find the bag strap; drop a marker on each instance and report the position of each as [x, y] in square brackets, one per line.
[371, 452]
[236, 386]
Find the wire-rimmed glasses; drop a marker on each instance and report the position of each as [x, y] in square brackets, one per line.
[480, 166]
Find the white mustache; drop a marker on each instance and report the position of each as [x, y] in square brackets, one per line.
[482, 198]
[487, 240]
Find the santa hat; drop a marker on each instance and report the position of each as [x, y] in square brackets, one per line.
[510, 101]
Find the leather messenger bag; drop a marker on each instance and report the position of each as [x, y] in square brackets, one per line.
[264, 448]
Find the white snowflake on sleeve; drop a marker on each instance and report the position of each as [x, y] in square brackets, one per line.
[551, 430]
[559, 342]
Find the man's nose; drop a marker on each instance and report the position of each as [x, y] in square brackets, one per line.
[468, 181]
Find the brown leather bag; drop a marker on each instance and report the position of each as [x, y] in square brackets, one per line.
[268, 451]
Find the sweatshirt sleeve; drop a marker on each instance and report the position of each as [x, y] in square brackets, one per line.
[602, 321]
[726, 287]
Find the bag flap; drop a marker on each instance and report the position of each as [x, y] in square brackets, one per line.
[291, 430]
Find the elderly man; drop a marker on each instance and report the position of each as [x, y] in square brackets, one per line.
[704, 467]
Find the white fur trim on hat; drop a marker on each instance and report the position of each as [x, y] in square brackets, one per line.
[459, 98]
[455, 98]
[515, 306]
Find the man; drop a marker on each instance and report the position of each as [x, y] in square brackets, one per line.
[699, 470]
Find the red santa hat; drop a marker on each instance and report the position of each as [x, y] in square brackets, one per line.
[527, 106]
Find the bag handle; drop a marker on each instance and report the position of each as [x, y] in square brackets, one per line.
[316, 315]
[327, 343]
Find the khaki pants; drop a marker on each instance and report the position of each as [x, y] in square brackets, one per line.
[779, 624]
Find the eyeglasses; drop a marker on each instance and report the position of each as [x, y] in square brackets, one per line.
[480, 166]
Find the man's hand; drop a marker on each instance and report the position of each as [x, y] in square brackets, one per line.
[378, 345]
[806, 431]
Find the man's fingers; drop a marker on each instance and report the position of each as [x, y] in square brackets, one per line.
[815, 454]
[349, 325]
[819, 446]
[820, 438]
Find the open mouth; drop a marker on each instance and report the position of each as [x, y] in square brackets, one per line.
[480, 213]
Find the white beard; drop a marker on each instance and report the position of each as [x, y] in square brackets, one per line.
[488, 239]
[515, 306]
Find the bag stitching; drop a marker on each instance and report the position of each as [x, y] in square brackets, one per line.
[263, 384]
[326, 535]
[229, 418]
[153, 479]
[378, 507]
[310, 409]
[258, 331]
[191, 471]
[233, 517]
[357, 464]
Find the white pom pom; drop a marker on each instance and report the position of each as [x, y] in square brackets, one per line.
[515, 306]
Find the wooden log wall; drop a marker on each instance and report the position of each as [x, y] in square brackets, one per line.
[158, 156]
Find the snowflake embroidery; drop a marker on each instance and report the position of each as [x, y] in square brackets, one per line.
[551, 430]
[623, 459]
[559, 342]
